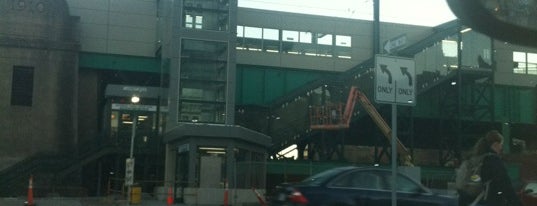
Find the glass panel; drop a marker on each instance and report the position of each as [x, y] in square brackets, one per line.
[290, 36]
[449, 48]
[362, 180]
[432, 63]
[271, 46]
[404, 184]
[240, 40]
[253, 38]
[189, 21]
[203, 74]
[271, 34]
[198, 22]
[324, 39]
[476, 47]
[532, 68]
[305, 37]
[344, 47]
[240, 31]
[191, 111]
[203, 69]
[253, 32]
[532, 58]
[532, 63]
[519, 57]
[207, 14]
[344, 41]
[205, 91]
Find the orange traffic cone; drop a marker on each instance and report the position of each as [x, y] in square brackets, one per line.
[261, 201]
[225, 193]
[30, 201]
[170, 197]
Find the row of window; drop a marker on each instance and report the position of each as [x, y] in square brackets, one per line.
[293, 36]
[293, 42]
[524, 63]
[23, 79]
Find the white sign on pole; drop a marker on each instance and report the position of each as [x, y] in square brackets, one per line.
[129, 171]
[395, 80]
[395, 43]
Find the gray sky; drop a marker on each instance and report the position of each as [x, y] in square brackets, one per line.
[416, 12]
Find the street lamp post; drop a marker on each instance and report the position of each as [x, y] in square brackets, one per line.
[129, 164]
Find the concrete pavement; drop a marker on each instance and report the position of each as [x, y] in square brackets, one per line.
[82, 201]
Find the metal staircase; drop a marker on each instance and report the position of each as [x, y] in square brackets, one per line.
[50, 170]
[293, 126]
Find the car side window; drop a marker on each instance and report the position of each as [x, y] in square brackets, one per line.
[359, 179]
[404, 184]
[532, 187]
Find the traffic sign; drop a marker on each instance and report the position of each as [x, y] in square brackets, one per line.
[395, 43]
[395, 80]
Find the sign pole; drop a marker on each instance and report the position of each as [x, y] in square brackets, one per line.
[395, 84]
[394, 154]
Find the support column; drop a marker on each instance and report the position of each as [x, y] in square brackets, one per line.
[169, 166]
[506, 132]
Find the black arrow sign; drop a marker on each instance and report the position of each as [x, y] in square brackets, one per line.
[384, 69]
[405, 72]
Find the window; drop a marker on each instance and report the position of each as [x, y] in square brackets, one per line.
[189, 21]
[305, 37]
[290, 36]
[203, 72]
[324, 39]
[253, 32]
[360, 179]
[524, 63]
[198, 22]
[240, 31]
[195, 22]
[271, 40]
[206, 14]
[449, 48]
[404, 184]
[271, 34]
[293, 42]
[344, 41]
[22, 86]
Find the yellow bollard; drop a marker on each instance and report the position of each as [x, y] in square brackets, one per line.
[136, 195]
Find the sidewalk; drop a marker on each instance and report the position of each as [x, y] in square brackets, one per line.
[83, 201]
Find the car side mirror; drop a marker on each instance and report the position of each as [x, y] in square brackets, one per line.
[528, 191]
[510, 21]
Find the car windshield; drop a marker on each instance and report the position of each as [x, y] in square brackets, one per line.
[321, 177]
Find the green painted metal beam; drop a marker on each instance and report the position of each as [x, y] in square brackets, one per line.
[119, 62]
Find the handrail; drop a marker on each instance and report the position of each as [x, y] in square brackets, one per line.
[361, 69]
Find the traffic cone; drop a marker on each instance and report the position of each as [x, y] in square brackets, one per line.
[170, 197]
[30, 201]
[225, 193]
[261, 201]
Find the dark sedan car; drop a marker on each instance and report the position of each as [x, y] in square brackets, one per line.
[349, 186]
